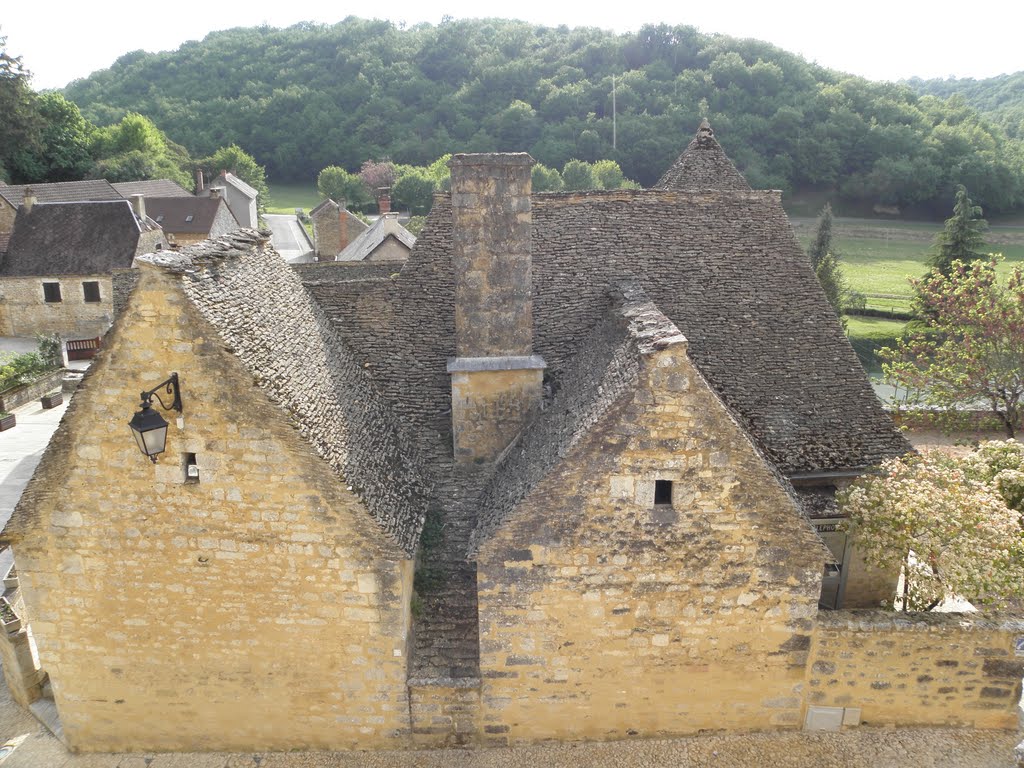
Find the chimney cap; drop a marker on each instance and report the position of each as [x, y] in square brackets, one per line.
[491, 158]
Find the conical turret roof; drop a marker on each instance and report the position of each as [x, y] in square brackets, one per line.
[703, 166]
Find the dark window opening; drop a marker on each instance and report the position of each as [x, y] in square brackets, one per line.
[662, 491]
[51, 293]
[91, 291]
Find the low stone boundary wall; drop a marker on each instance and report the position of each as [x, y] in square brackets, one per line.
[918, 669]
[26, 393]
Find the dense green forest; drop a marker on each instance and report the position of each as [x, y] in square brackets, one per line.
[1000, 98]
[311, 96]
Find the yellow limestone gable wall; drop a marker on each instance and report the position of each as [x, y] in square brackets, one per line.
[261, 608]
[603, 617]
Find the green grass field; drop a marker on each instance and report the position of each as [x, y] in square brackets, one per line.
[878, 256]
[285, 198]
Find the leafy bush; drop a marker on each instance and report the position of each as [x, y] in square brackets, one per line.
[16, 370]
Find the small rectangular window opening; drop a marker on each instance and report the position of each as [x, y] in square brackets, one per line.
[51, 293]
[188, 463]
[663, 492]
[91, 291]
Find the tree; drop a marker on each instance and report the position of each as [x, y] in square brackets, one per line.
[62, 153]
[546, 179]
[243, 165]
[377, 175]
[825, 262]
[578, 175]
[963, 236]
[969, 347]
[951, 532]
[20, 123]
[134, 149]
[1000, 465]
[608, 175]
[414, 190]
[342, 187]
[821, 246]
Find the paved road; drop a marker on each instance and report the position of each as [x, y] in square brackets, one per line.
[289, 237]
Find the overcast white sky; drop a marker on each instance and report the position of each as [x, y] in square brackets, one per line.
[882, 40]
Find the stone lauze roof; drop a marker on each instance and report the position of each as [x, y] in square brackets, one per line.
[703, 166]
[90, 238]
[723, 265]
[263, 313]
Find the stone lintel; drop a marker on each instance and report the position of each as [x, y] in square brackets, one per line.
[502, 363]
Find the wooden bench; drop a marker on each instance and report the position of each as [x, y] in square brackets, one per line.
[83, 349]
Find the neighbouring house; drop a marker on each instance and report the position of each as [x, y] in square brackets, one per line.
[58, 270]
[187, 220]
[151, 188]
[557, 478]
[334, 227]
[240, 197]
[11, 196]
[384, 240]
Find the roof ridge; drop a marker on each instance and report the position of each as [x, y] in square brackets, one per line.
[261, 310]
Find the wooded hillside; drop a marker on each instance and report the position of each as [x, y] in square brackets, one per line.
[999, 98]
[309, 96]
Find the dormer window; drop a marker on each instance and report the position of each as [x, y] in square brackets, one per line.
[189, 218]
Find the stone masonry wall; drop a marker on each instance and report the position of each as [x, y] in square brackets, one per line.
[917, 669]
[27, 313]
[491, 247]
[333, 229]
[605, 616]
[7, 215]
[259, 608]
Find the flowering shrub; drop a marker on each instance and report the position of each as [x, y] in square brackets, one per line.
[946, 522]
[968, 349]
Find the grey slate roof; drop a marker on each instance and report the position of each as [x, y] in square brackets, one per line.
[151, 188]
[370, 239]
[230, 178]
[702, 166]
[62, 192]
[91, 238]
[263, 313]
[172, 213]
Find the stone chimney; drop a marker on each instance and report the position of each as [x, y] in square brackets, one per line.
[28, 200]
[496, 378]
[384, 200]
[139, 206]
[200, 183]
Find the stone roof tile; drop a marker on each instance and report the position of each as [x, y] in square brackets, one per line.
[263, 313]
[703, 165]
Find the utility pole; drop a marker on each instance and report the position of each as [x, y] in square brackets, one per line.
[614, 127]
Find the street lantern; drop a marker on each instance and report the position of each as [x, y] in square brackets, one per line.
[150, 428]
